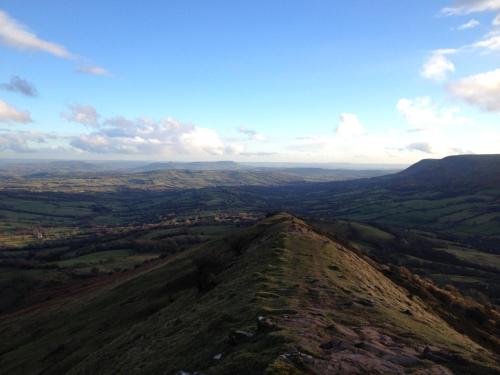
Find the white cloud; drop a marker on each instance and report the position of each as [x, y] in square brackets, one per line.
[10, 114]
[469, 25]
[471, 6]
[438, 66]
[94, 70]
[83, 114]
[18, 36]
[481, 90]
[422, 113]
[201, 139]
[349, 126]
[252, 134]
[145, 136]
[496, 21]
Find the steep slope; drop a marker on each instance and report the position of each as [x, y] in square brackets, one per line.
[461, 172]
[278, 299]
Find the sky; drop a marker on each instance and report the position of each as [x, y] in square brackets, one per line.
[358, 81]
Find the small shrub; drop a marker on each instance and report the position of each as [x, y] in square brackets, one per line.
[207, 268]
[476, 313]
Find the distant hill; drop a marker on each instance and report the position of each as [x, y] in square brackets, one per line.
[44, 168]
[453, 172]
[194, 166]
[54, 168]
[279, 298]
[321, 174]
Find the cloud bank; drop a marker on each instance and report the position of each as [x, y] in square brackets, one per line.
[145, 136]
[23, 141]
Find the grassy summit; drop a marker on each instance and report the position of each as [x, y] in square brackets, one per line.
[280, 298]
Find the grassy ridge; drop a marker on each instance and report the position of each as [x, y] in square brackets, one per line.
[308, 289]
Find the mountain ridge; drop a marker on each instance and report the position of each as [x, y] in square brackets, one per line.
[279, 298]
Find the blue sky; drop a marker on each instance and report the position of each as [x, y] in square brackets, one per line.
[312, 81]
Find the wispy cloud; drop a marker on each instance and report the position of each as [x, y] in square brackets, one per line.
[9, 114]
[16, 35]
[93, 70]
[491, 42]
[252, 134]
[472, 24]
[461, 7]
[21, 86]
[424, 147]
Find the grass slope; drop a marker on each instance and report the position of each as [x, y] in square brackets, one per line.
[322, 309]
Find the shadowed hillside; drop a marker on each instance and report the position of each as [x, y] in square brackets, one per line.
[278, 299]
[457, 196]
[452, 173]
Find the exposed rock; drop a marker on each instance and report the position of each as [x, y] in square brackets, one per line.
[437, 355]
[265, 324]
[297, 356]
[434, 370]
[365, 302]
[238, 336]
